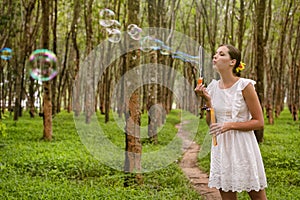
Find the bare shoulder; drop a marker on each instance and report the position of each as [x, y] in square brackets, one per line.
[249, 90]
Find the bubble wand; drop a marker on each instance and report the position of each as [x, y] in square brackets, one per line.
[200, 81]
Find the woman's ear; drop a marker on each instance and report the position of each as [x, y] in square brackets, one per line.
[233, 62]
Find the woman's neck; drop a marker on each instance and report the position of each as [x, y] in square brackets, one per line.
[228, 80]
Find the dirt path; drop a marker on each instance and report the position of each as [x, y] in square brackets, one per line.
[198, 178]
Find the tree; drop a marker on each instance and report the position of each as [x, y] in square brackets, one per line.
[27, 37]
[47, 103]
[133, 149]
[151, 88]
[259, 65]
[89, 106]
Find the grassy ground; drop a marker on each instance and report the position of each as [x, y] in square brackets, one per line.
[31, 168]
[280, 151]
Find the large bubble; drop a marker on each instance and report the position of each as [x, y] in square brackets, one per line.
[43, 65]
[94, 67]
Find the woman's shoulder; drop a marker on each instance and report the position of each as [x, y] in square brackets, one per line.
[244, 82]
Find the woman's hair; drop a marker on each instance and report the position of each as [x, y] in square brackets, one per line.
[234, 53]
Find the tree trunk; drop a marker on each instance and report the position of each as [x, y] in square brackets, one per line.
[295, 71]
[241, 25]
[282, 54]
[26, 38]
[133, 149]
[269, 68]
[31, 99]
[259, 66]
[2, 103]
[152, 73]
[89, 90]
[47, 103]
[54, 91]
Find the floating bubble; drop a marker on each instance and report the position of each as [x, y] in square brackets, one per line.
[134, 31]
[106, 17]
[149, 43]
[114, 35]
[6, 53]
[42, 65]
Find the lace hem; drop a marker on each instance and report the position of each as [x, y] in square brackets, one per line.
[238, 189]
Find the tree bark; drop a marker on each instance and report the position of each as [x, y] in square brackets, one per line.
[89, 90]
[152, 73]
[133, 149]
[26, 39]
[54, 91]
[259, 66]
[47, 103]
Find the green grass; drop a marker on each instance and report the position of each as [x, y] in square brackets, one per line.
[31, 168]
[280, 151]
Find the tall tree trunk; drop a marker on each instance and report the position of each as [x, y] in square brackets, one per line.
[2, 104]
[259, 65]
[225, 35]
[26, 38]
[89, 90]
[270, 89]
[282, 54]
[31, 98]
[152, 73]
[133, 149]
[241, 25]
[107, 80]
[54, 91]
[295, 70]
[47, 103]
[269, 67]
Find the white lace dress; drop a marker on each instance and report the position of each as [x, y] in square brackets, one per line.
[236, 162]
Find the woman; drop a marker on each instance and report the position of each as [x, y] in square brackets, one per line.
[236, 162]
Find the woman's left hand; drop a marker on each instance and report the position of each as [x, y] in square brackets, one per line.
[219, 128]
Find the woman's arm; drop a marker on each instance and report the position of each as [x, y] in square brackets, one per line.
[257, 121]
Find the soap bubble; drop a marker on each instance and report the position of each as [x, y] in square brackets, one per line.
[6, 53]
[148, 44]
[42, 65]
[134, 31]
[114, 35]
[106, 17]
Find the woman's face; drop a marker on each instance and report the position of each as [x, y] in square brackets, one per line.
[222, 60]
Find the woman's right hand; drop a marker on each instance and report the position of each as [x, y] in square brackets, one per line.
[201, 90]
